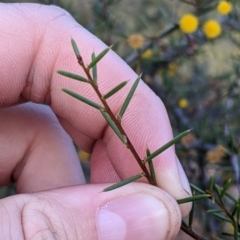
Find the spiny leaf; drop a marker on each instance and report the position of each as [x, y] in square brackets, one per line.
[151, 168]
[193, 198]
[83, 99]
[115, 89]
[197, 188]
[114, 127]
[167, 145]
[124, 182]
[190, 221]
[214, 211]
[226, 194]
[225, 188]
[129, 97]
[99, 57]
[218, 190]
[222, 217]
[73, 76]
[75, 48]
[211, 183]
[94, 69]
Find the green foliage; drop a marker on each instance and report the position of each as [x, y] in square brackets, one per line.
[198, 80]
[114, 90]
[122, 183]
[96, 59]
[166, 146]
[128, 98]
[199, 89]
[115, 124]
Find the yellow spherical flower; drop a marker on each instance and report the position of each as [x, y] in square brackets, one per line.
[135, 41]
[172, 69]
[188, 139]
[224, 7]
[212, 29]
[215, 155]
[183, 103]
[188, 23]
[83, 156]
[147, 54]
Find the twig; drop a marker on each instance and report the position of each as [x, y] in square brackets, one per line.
[189, 232]
[128, 144]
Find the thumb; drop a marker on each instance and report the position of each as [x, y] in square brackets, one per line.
[136, 211]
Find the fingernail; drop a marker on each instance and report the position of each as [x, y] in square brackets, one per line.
[137, 216]
[184, 180]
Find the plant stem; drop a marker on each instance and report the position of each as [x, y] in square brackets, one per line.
[128, 144]
[189, 232]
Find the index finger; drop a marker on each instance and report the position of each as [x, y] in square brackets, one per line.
[35, 43]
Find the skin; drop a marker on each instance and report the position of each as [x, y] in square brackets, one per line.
[53, 201]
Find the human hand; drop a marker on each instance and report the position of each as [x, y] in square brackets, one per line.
[38, 154]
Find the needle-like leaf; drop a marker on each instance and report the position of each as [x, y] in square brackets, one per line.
[73, 76]
[167, 145]
[218, 191]
[226, 194]
[222, 217]
[193, 198]
[197, 189]
[122, 183]
[151, 168]
[129, 97]
[75, 48]
[94, 70]
[211, 183]
[83, 99]
[113, 126]
[214, 211]
[98, 57]
[225, 188]
[115, 89]
[190, 221]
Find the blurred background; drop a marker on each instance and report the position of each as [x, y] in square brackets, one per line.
[193, 65]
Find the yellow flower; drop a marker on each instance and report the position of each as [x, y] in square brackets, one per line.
[215, 155]
[188, 139]
[188, 23]
[224, 7]
[212, 29]
[135, 41]
[172, 69]
[147, 54]
[83, 156]
[183, 103]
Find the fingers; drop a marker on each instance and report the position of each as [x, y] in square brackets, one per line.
[35, 150]
[137, 211]
[30, 61]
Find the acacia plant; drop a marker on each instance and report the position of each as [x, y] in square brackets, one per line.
[216, 194]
